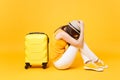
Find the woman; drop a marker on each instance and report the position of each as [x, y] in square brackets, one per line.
[69, 39]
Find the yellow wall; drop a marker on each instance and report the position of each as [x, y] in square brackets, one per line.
[101, 17]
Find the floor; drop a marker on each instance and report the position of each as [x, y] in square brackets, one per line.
[12, 68]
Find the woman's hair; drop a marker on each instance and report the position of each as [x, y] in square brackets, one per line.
[70, 31]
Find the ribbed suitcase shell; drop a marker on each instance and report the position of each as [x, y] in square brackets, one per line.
[36, 49]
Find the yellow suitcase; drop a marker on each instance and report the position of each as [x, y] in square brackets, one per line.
[36, 49]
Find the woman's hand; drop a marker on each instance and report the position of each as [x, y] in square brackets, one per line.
[81, 25]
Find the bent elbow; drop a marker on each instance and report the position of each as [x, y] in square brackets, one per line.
[79, 44]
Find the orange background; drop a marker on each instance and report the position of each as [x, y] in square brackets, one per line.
[18, 17]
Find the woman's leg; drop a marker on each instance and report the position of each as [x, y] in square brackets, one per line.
[67, 58]
[87, 54]
[84, 57]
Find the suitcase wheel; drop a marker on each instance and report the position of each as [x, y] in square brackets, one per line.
[44, 65]
[27, 65]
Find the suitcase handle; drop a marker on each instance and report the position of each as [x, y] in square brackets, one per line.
[36, 33]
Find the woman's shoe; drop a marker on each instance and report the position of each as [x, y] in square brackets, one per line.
[92, 66]
[101, 64]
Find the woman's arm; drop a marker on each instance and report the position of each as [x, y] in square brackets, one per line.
[77, 43]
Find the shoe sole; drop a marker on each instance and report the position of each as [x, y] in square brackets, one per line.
[93, 69]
